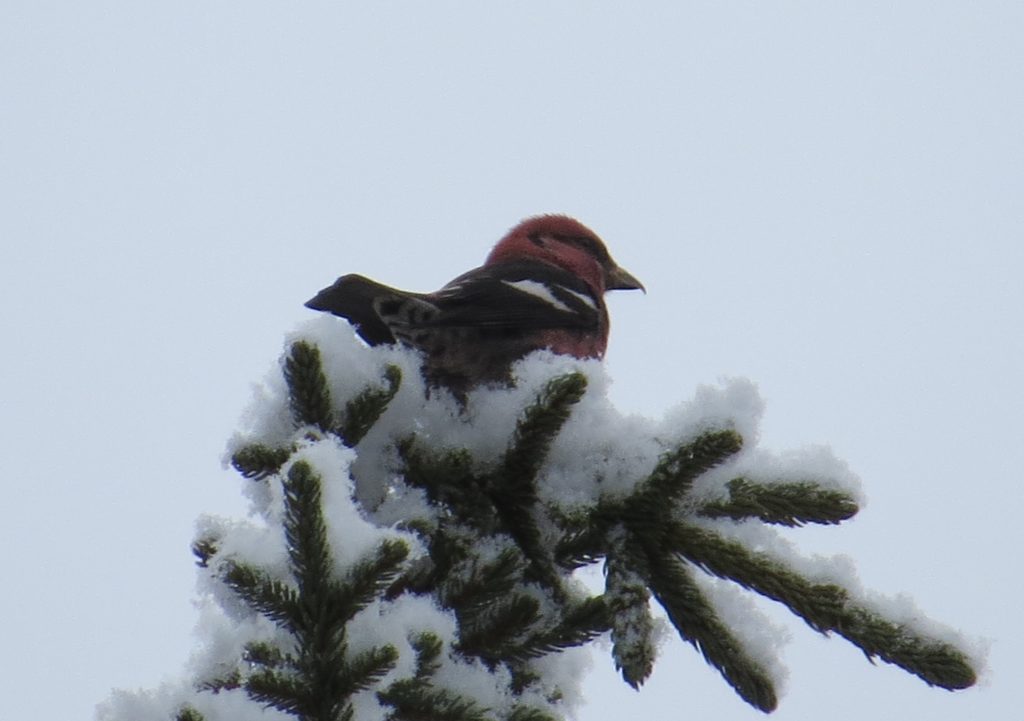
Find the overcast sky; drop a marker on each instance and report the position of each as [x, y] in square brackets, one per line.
[823, 197]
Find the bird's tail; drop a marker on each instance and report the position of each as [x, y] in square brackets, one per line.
[353, 297]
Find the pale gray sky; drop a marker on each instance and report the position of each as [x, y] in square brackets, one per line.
[823, 197]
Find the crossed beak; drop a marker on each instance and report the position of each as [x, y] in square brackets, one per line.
[620, 279]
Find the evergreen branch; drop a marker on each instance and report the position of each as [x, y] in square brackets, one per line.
[275, 599]
[261, 653]
[578, 550]
[365, 669]
[530, 713]
[428, 647]
[787, 504]
[448, 547]
[479, 586]
[326, 681]
[257, 461]
[204, 549]
[632, 626]
[417, 578]
[367, 579]
[819, 604]
[584, 541]
[695, 619]
[227, 682]
[489, 632]
[448, 480]
[536, 431]
[325, 605]
[826, 608]
[676, 471]
[514, 484]
[188, 713]
[362, 412]
[936, 663]
[281, 691]
[581, 623]
[523, 676]
[415, 700]
[305, 530]
[317, 684]
[503, 619]
[522, 526]
[325, 678]
[308, 393]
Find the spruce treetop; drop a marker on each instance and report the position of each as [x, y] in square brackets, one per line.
[414, 556]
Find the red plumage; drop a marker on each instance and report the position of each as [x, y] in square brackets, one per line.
[542, 286]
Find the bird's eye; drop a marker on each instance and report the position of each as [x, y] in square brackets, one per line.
[537, 239]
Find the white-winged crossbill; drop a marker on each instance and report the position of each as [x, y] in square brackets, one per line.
[542, 286]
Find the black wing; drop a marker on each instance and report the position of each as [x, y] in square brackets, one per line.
[524, 295]
[514, 296]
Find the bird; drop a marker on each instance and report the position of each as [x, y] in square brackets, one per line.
[541, 286]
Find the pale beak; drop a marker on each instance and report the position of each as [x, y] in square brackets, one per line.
[620, 279]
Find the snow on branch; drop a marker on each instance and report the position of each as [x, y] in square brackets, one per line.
[413, 556]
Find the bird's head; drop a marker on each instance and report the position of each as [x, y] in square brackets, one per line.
[566, 243]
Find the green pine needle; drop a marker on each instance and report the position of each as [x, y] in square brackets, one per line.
[368, 579]
[261, 653]
[228, 682]
[189, 713]
[537, 429]
[581, 623]
[365, 669]
[362, 412]
[819, 604]
[305, 531]
[514, 606]
[530, 713]
[449, 481]
[492, 632]
[281, 691]
[585, 536]
[577, 552]
[676, 471]
[632, 627]
[428, 647]
[697, 622]
[417, 699]
[478, 586]
[308, 393]
[514, 484]
[413, 700]
[274, 599]
[257, 461]
[787, 504]
[826, 608]
[204, 549]
[937, 663]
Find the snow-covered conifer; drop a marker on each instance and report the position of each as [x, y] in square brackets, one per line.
[413, 556]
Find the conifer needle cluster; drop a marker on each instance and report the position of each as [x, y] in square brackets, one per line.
[496, 558]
